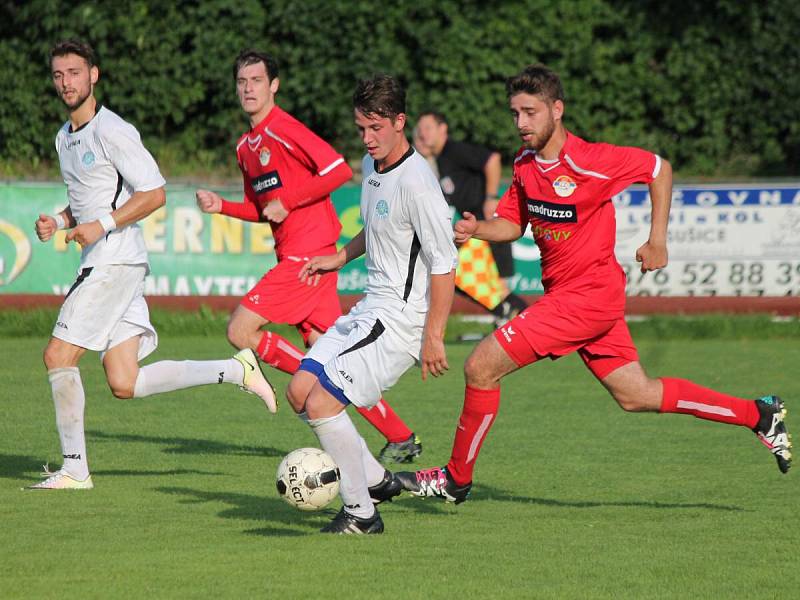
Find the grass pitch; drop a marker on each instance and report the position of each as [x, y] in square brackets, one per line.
[573, 498]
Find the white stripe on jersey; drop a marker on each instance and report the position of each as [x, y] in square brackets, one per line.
[275, 137]
[657, 168]
[577, 169]
[331, 167]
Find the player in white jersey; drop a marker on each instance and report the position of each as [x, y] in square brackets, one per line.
[410, 260]
[112, 183]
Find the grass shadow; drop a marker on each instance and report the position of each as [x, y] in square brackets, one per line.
[485, 492]
[16, 466]
[180, 445]
[280, 518]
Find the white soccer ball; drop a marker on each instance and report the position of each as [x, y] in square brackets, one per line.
[308, 479]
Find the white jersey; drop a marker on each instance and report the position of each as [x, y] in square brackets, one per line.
[103, 163]
[408, 233]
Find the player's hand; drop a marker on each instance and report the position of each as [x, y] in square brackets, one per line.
[434, 358]
[274, 211]
[652, 256]
[86, 234]
[208, 202]
[465, 227]
[46, 226]
[311, 272]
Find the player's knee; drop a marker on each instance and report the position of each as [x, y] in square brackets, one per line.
[235, 336]
[296, 394]
[55, 358]
[476, 372]
[121, 388]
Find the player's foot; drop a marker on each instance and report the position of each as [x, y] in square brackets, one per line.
[400, 452]
[435, 482]
[346, 524]
[389, 487]
[771, 430]
[254, 380]
[61, 480]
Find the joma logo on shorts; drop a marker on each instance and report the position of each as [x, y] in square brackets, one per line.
[346, 376]
[507, 332]
[555, 213]
[266, 182]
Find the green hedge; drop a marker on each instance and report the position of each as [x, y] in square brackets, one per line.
[710, 85]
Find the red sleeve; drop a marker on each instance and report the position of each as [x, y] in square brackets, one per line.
[247, 210]
[317, 187]
[625, 165]
[513, 205]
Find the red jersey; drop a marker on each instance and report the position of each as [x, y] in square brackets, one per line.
[277, 157]
[567, 202]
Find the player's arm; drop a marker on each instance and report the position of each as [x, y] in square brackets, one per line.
[434, 357]
[653, 253]
[497, 229]
[318, 265]
[47, 225]
[211, 203]
[313, 190]
[491, 172]
[140, 205]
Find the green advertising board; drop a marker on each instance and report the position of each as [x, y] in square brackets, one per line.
[191, 253]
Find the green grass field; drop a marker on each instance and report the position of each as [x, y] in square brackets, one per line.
[573, 498]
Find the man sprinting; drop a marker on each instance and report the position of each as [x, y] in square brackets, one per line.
[410, 258]
[288, 174]
[562, 186]
[112, 183]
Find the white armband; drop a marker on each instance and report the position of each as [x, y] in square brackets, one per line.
[61, 221]
[108, 223]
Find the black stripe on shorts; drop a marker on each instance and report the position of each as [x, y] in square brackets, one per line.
[373, 335]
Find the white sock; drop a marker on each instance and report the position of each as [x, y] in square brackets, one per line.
[373, 470]
[69, 401]
[339, 438]
[170, 375]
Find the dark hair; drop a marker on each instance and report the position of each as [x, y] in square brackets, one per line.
[82, 49]
[381, 95]
[253, 57]
[536, 80]
[437, 116]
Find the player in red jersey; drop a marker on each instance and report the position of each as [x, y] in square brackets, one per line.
[289, 174]
[562, 186]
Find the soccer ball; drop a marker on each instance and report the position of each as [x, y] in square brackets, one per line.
[308, 479]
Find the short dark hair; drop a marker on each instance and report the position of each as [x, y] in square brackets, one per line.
[381, 95]
[82, 49]
[536, 80]
[253, 57]
[437, 116]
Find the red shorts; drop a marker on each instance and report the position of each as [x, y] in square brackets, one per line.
[280, 297]
[553, 327]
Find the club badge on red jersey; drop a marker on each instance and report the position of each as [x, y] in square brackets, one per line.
[263, 157]
[564, 186]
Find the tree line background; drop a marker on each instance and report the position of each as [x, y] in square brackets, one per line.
[713, 86]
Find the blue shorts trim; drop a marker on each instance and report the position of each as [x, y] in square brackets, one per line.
[332, 388]
[311, 366]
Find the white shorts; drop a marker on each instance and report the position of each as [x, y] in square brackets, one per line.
[105, 307]
[366, 351]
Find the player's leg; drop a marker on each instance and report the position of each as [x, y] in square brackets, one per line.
[244, 331]
[338, 437]
[486, 365]
[611, 361]
[402, 445]
[61, 359]
[128, 380]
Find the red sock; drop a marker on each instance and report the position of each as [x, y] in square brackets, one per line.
[278, 352]
[683, 396]
[385, 420]
[477, 416]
